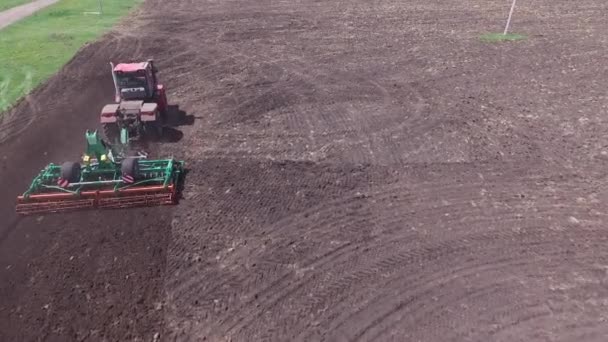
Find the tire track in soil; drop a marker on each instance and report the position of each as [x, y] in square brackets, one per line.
[327, 245]
[465, 214]
[338, 120]
[273, 296]
[300, 123]
[483, 264]
[347, 282]
[283, 291]
[260, 204]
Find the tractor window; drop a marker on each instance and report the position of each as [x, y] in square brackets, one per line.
[131, 81]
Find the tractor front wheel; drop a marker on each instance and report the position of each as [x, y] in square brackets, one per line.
[111, 132]
[70, 171]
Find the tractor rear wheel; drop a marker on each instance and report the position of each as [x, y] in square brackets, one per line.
[111, 132]
[70, 171]
[130, 167]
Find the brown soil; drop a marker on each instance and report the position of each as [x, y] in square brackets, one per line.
[358, 171]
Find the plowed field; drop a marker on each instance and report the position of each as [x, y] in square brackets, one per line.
[361, 170]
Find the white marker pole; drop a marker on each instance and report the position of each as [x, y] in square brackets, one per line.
[510, 15]
[100, 7]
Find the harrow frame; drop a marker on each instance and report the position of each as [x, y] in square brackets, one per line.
[101, 184]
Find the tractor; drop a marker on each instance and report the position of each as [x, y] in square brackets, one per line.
[141, 103]
[106, 178]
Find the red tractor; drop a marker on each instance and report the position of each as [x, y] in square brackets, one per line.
[141, 103]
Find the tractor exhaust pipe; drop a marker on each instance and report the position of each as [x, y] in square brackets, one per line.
[151, 61]
[116, 92]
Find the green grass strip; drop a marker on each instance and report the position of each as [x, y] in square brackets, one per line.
[6, 4]
[499, 37]
[36, 47]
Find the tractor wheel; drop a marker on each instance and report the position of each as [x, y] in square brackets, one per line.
[111, 132]
[70, 171]
[130, 167]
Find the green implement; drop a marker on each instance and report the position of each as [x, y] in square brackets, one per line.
[105, 179]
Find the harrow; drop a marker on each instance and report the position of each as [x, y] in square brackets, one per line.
[106, 179]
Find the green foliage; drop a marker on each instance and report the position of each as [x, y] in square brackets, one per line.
[6, 4]
[35, 48]
[499, 37]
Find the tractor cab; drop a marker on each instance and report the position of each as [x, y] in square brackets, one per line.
[134, 81]
[140, 103]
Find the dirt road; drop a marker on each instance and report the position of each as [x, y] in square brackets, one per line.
[358, 171]
[15, 14]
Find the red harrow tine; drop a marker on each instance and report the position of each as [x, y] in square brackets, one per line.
[136, 201]
[103, 199]
[53, 207]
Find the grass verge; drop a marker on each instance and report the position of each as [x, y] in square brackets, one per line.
[499, 37]
[35, 48]
[6, 4]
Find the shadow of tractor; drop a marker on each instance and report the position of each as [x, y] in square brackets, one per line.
[176, 118]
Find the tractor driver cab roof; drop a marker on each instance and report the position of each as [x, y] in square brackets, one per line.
[130, 67]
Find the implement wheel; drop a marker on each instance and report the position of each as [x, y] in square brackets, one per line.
[130, 169]
[70, 171]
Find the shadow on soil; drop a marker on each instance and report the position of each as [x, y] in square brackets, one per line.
[176, 118]
[12, 225]
[180, 185]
